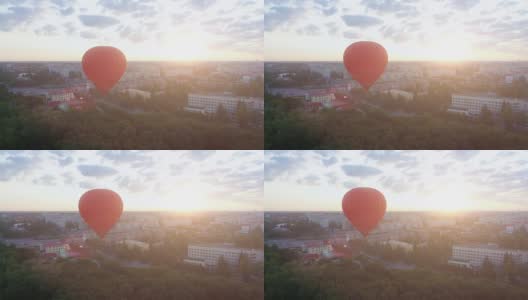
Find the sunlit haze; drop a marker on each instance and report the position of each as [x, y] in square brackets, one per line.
[154, 30]
[446, 30]
[443, 181]
[146, 180]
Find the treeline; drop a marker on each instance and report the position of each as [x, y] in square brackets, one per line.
[17, 281]
[28, 128]
[517, 240]
[287, 126]
[286, 279]
[19, 130]
[68, 280]
[35, 228]
[296, 229]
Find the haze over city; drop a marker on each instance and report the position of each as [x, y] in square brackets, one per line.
[146, 180]
[56, 30]
[443, 181]
[447, 30]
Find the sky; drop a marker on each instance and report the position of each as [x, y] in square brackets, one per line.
[444, 181]
[184, 181]
[440, 30]
[153, 30]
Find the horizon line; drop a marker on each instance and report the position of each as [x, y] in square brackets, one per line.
[80, 61]
[414, 211]
[124, 211]
[440, 61]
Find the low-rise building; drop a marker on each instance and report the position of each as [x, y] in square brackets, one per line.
[472, 104]
[60, 249]
[474, 255]
[211, 253]
[133, 244]
[209, 103]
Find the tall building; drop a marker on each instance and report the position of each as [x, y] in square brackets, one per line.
[473, 104]
[209, 254]
[474, 255]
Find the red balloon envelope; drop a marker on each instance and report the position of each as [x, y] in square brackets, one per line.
[104, 66]
[365, 61]
[100, 209]
[364, 208]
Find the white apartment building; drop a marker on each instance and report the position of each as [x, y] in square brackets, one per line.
[318, 247]
[57, 248]
[210, 253]
[474, 255]
[473, 104]
[208, 103]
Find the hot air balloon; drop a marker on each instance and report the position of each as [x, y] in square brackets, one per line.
[365, 62]
[100, 209]
[364, 207]
[104, 66]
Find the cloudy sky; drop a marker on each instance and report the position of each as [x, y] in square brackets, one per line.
[409, 29]
[45, 30]
[154, 180]
[410, 180]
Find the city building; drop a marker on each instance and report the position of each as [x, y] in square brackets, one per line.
[323, 248]
[133, 244]
[474, 255]
[209, 254]
[58, 248]
[394, 244]
[60, 95]
[407, 96]
[209, 103]
[135, 93]
[473, 104]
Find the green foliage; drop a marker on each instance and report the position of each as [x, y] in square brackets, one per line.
[83, 280]
[517, 240]
[285, 127]
[350, 280]
[22, 128]
[17, 281]
[487, 268]
[288, 127]
[297, 228]
[254, 239]
[221, 114]
[21, 131]
[222, 268]
[242, 115]
[36, 228]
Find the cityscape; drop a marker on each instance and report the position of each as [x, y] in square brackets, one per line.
[263, 149]
[445, 232]
[183, 231]
[469, 98]
[452, 75]
[54, 101]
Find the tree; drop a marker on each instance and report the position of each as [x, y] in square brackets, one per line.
[222, 268]
[507, 115]
[485, 115]
[221, 113]
[487, 268]
[243, 266]
[69, 225]
[242, 114]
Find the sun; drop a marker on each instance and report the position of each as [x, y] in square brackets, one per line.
[454, 47]
[174, 47]
[450, 199]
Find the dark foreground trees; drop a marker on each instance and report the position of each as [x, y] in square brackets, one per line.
[286, 278]
[28, 128]
[287, 126]
[22, 277]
